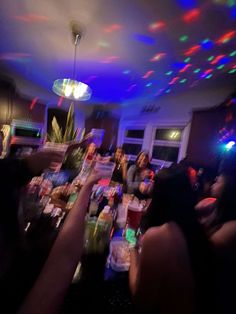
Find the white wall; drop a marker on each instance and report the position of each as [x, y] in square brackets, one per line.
[175, 111]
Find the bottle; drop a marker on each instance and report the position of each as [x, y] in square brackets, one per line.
[105, 217]
[103, 228]
[86, 169]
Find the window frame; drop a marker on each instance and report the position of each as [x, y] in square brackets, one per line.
[154, 142]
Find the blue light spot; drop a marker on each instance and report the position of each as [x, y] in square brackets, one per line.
[224, 61]
[126, 71]
[148, 84]
[233, 12]
[207, 44]
[229, 145]
[187, 4]
[148, 40]
[179, 65]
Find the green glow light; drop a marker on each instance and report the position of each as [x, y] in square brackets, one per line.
[169, 72]
[187, 60]
[210, 58]
[208, 76]
[232, 71]
[183, 81]
[220, 67]
[197, 70]
[231, 3]
[183, 38]
[233, 53]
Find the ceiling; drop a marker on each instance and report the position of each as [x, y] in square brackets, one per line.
[131, 50]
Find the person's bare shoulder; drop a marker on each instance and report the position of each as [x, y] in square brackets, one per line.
[225, 237]
[164, 241]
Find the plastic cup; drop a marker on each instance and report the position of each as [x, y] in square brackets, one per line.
[106, 169]
[134, 215]
[52, 147]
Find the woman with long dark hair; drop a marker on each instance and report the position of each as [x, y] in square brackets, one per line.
[139, 176]
[174, 272]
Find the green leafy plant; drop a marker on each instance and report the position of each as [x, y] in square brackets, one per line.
[73, 160]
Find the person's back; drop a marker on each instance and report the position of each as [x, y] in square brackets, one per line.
[174, 272]
[166, 282]
[224, 244]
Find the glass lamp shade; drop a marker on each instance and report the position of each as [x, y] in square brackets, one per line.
[72, 89]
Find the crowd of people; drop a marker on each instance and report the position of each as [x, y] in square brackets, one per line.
[184, 262]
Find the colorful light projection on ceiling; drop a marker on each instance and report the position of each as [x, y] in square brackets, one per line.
[158, 57]
[31, 18]
[147, 74]
[148, 40]
[110, 59]
[178, 52]
[191, 16]
[113, 28]
[156, 26]
[33, 103]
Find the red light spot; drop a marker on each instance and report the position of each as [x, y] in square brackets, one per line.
[113, 28]
[208, 71]
[185, 68]
[192, 50]
[31, 18]
[217, 59]
[60, 101]
[110, 59]
[226, 37]
[146, 75]
[33, 103]
[14, 55]
[191, 16]
[156, 26]
[158, 57]
[174, 80]
[229, 117]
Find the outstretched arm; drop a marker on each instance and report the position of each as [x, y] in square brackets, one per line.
[49, 291]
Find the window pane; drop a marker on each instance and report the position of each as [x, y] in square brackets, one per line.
[134, 133]
[168, 134]
[132, 149]
[166, 153]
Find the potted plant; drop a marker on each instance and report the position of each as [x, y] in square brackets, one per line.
[73, 160]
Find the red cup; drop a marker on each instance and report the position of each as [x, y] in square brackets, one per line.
[134, 216]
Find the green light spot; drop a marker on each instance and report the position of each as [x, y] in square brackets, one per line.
[183, 81]
[208, 76]
[232, 71]
[205, 40]
[220, 67]
[210, 58]
[233, 53]
[187, 60]
[183, 38]
[231, 3]
[169, 73]
[197, 70]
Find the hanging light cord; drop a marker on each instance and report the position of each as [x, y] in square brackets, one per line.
[77, 39]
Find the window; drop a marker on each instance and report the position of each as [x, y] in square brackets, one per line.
[134, 133]
[166, 153]
[168, 134]
[132, 149]
[166, 145]
[133, 141]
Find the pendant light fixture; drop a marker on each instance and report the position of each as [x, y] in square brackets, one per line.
[70, 88]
